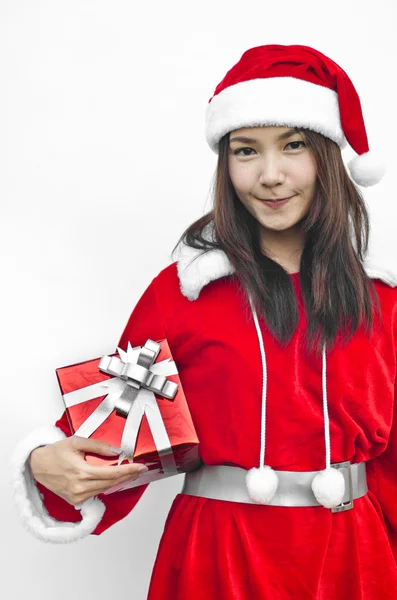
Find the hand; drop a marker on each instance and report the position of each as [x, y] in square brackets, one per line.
[61, 468]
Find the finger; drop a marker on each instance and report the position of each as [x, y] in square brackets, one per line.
[93, 485]
[82, 444]
[113, 472]
[84, 497]
[100, 487]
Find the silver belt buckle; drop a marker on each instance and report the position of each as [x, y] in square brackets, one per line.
[349, 503]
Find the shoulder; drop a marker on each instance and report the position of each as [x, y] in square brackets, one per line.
[167, 275]
[166, 284]
[193, 269]
[385, 283]
[375, 270]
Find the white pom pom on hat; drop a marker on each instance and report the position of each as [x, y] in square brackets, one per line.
[294, 86]
[367, 169]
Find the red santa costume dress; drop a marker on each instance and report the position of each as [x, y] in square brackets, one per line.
[250, 398]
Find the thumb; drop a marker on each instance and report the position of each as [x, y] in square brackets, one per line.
[95, 446]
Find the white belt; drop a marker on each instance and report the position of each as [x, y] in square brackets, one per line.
[221, 482]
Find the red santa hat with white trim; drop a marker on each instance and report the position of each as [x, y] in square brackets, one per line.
[295, 86]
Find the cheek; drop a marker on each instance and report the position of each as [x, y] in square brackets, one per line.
[310, 171]
[240, 176]
[305, 177]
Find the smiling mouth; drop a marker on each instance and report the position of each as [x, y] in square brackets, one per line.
[277, 200]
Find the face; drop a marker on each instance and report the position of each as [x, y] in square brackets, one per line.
[272, 163]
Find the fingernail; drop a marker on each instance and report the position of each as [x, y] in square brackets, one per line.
[142, 469]
[115, 450]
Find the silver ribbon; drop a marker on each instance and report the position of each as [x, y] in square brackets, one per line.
[131, 393]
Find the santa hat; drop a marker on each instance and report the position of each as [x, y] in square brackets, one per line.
[294, 86]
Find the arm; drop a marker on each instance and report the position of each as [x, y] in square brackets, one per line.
[382, 480]
[44, 513]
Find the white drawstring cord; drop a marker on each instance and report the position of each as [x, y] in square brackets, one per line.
[264, 386]
[329, 485]
[264, 390]
[325, 411]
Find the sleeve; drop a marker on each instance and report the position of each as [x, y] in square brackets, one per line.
[48, 516]
[382, 480]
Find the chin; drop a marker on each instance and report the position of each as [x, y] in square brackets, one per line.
[277, 227]
[279, 230]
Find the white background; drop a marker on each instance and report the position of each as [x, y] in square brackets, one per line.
[103, 164]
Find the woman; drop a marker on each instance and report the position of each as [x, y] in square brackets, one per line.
[285, 340]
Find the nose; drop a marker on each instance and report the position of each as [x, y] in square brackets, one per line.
[271, 173]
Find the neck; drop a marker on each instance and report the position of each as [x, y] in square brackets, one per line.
[284, 247]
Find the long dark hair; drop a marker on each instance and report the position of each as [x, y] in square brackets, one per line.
[336, 290]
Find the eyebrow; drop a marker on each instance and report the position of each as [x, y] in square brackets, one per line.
[248, 140]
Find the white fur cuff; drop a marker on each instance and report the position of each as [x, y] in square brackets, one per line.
[29, 503]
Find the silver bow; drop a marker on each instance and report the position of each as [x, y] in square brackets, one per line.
[131, 393]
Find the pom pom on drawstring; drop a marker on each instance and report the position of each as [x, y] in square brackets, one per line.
[367, 169]
[329, 487]
[261, 484]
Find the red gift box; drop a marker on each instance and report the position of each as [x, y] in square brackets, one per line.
[136, 396]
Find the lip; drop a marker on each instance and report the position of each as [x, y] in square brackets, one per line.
[276, 203]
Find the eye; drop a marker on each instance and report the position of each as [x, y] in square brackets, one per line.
[297, 142]
[237, 152]
[240, 150]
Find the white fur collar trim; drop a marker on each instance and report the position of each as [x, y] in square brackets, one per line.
[196, 269]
